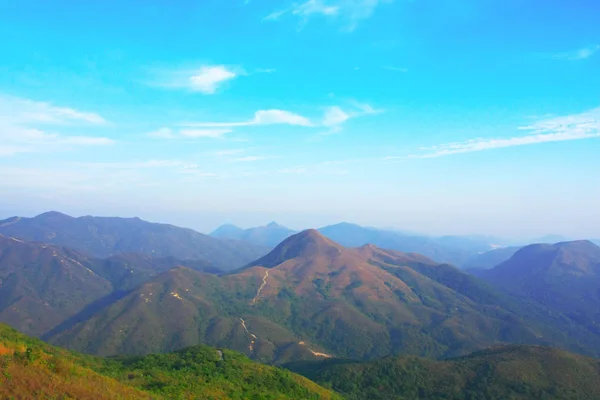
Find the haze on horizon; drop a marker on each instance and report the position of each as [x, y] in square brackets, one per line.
[425, 116]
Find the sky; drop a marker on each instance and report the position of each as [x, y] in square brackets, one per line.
[434, 116]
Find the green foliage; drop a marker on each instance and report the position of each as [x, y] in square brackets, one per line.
[33, 369]
[512, 372]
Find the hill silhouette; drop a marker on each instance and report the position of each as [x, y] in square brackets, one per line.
[42, 286]
[33, 369]
[269, 235]
[311, 298]
[454, 250]
[507, 372]
[106, 236]
[563, 277]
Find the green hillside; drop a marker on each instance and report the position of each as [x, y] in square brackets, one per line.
[30, 369]
[511, 372]
[103, 237]
[312, 298]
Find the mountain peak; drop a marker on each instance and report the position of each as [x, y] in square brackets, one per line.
[53, 215]
[580, 257]
[306, 244]
[273, 224]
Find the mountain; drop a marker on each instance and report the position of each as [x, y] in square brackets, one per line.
[312, 298]
[490, 259]
[103, 237]
[508, 372]
[268, 236]
[454, 250]
[43, 285]
[33, 369]
[564, 277]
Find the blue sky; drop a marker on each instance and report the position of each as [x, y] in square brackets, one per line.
[438, 116]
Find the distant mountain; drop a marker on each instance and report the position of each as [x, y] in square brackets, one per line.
[32, 369]
[103, 237]
[454, 250]
[269, 235]
[312, 298]
[550, 239]
[564, 277]
[490, 259]
[43, 285]
[508, 372]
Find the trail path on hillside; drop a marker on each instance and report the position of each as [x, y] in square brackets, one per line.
[11, 222]
[255, 299]
[315, 353]
[251, 347]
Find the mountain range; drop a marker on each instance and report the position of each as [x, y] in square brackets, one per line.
[32, 369]
[355, 318]
[104, 236]
[43, 285]
[504, 372]
[312, 298]
[564, 277]
[269, 235]
[456, 250]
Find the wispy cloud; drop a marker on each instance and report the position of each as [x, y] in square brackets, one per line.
[348, 12]
[335, 117]
[397, 69]
[579, 54]
[207, 133]
[168, 133]
[262, 117]
[206, 79]
[25, 127]
[251, 158]
[36, 112]
[573, 127]
[162, 133]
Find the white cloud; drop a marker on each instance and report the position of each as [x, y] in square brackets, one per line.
[162, 133]
[397, 69]
[168, 133]
[208, 78]
[335, 116]
[10, 150]
[21, 121]
[573, 127]
[317, 7]
[35, 112]
[208, 133]
[579, 54]
[262, 117]
[229, 152]
[348, 12]
[251, 158]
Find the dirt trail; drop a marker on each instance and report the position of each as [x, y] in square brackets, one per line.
[11, 222]
[255, 299]
[251, 347]
[315, 353]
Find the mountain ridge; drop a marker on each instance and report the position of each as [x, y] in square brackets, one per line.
[106, 236]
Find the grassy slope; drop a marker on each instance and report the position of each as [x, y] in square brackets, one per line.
[361, 303]
[511, 372]
[30, 368]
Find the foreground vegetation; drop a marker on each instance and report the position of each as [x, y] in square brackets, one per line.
[508, 372]
[30, 368]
